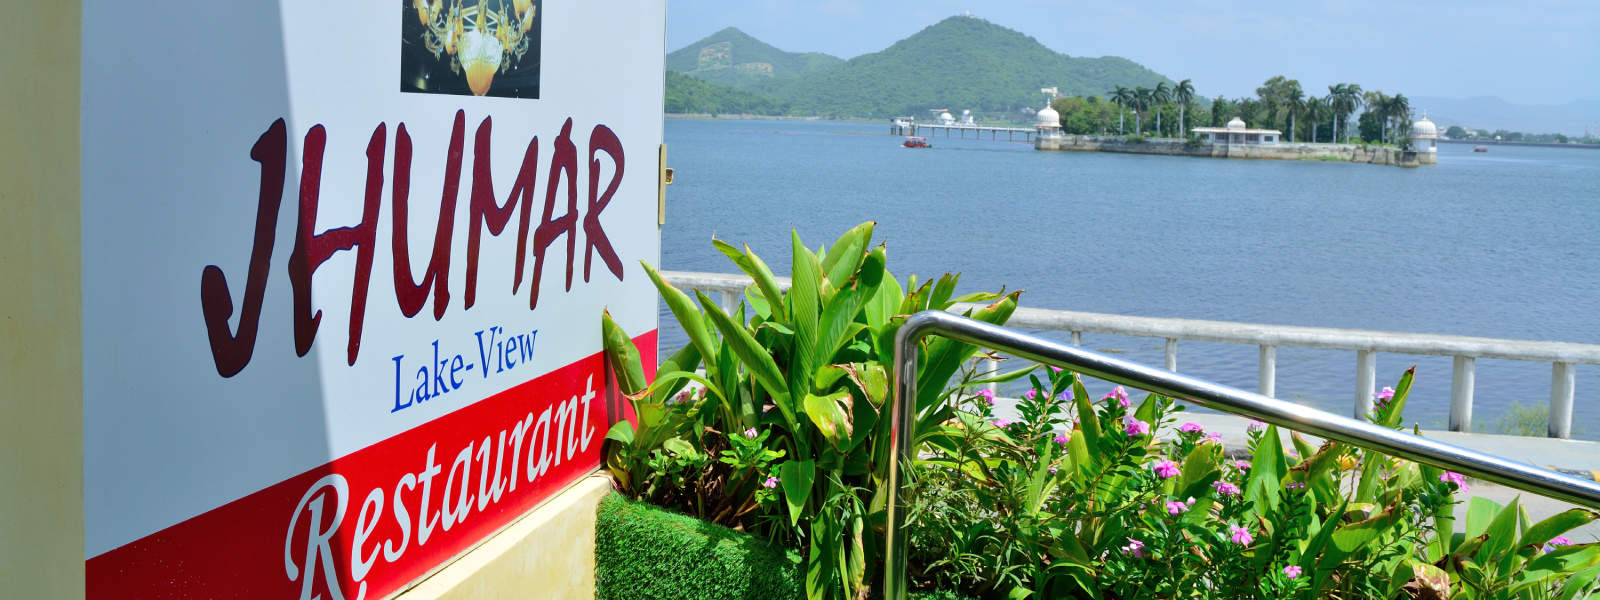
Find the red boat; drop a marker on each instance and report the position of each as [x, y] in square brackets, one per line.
[917, 142]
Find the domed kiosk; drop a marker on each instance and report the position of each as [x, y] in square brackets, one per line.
[1425, 140]
[1047, 122]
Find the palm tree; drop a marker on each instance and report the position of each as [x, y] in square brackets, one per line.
[1400, 111]
[1295, 100]
[1314, 107]
[1141, 101]
[1184, 93]
[1335, 100]
[1353, 103]
[1159, 97]
[1379, 104]
[1122, 96]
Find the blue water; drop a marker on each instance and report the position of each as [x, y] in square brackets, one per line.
[1497, 244]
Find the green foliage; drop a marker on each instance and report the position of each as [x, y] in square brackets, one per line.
[786, 433]
[642, 551]
[1522, 419]
[687, 95]
[1080, 499]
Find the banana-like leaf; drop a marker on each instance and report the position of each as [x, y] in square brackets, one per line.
[757, 269]
[623, 354]
[1393, 410]
[689, 318]
[1553, 565]
[831, 419]
[755, 358]
[1264, 486]
[945, 356]
[1502, 532]
[805, 306]
[797, 477]
[845, 256]
[882, 305]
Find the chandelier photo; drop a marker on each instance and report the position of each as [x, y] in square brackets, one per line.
[480, 38]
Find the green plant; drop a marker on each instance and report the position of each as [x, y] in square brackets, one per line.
[642, 551]
[1137, 138]
[802, 378]
[1081, 499]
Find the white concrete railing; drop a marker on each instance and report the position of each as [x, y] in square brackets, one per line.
[1563, 356]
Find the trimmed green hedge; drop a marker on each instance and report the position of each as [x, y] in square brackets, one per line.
[644, 551]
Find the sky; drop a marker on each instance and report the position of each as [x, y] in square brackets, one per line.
[1523, 51]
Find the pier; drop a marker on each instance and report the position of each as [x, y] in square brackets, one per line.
[909, 126]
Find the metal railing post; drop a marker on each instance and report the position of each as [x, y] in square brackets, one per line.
[1268, 380]
[1563, 383]
[1366, 381]
[730, 301]
[994, 371]
[1172, 354]
[1077, 337]
[1461, 380]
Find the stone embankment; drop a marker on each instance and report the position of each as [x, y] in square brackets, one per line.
[1377, 155]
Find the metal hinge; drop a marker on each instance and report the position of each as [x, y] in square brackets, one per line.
[661, 188]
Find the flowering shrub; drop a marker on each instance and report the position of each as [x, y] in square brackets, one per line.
[1104, 509]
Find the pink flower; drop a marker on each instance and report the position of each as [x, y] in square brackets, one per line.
[1191, 428]
[1240, 535]
[1054, 369]
[1215, 438]
[770, 483]
[1226, 489]
[1291, 571]
[987, 395]
[750, 433]
[1386, 394]
[1135, 548]
[1176, 507]
[1002, 423]
[1052, 469]
[1559, 540]
[1137, 427]
[1120, 394]
[1456, 478]
[1295, 485]
[1242, 465]
[1166, 469]
[1030, 394]
[1255, 426]
[1062, 439]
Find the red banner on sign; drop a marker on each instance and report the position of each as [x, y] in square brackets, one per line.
[372, 521]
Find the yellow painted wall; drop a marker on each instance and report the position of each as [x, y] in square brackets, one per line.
[41, 288]
[549, 553]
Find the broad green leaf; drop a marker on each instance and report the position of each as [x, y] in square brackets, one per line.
[1580, 582]
[942, 291]
[685, 360]
[883, 304]
[943, 356]
[679, 446]
[1393, 411]
[1264, 486]
[1551, 566]
[753, 266]
[623, 354]
[796, 478]
[755, 358]
[830, 418]
[846, 255]
[1087, 419]
[1557, 524]
[1480, 511]
[805, 306]
[1502, 532]
[689, 318]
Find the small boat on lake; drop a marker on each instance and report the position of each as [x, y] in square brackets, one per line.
[916, 142]
[1480, 148]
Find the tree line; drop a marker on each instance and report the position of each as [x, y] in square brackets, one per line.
[1280, 103]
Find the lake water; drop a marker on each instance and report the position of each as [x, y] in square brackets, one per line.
[1497, 244]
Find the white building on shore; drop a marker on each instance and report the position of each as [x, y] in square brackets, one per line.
[1237, 133]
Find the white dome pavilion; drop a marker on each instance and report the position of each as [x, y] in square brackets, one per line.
[1048, 117]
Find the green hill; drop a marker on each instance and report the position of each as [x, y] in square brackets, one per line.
[686, 94]
[731, 57]
[958, 63]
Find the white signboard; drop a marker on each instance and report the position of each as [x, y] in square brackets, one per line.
[343, 268]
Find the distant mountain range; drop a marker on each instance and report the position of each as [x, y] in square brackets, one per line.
[958, 63]
[1487, 113]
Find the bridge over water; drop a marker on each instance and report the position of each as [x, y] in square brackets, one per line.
[911, 127]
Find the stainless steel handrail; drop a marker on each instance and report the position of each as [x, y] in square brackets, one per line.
[1207, 394]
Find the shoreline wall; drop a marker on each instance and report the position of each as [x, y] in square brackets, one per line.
[1377, 155]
